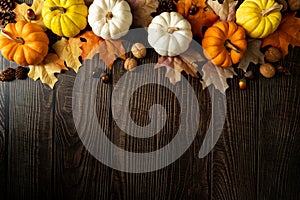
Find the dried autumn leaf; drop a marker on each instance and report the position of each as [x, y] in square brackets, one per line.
[288, 33]
[89, 41]
[225, 10]
[141, 11]
[252, 54]
[47, 69]
[109, 50]
[37, 6]
[184, 62]
[217, 76]
[69, 51]
[202, 18]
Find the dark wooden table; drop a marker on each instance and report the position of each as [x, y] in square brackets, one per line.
[256, 157]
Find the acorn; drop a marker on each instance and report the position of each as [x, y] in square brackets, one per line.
[273, 54]
[243, 84]
[138, 50]
[130, 64]
[193, 9]
[105, 77]
[30, 14]
[267, 70]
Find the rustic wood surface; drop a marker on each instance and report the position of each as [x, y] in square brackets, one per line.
[256, 157]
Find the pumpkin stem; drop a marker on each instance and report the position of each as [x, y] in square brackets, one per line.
[61, 9]
[109, 16]
[229, 45]
[271, 9]
[18, 40]
[172, 29]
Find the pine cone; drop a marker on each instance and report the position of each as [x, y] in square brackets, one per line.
[21, 72]
[8, 74]
[6, 12]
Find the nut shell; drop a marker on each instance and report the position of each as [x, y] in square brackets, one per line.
[138, 50]
[267, 70]
[130, 64]
[294, 4]
[273, 54]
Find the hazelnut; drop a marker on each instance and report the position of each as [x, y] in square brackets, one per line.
[138, 50]
[273, 54]
[130, 64]
[267, 70]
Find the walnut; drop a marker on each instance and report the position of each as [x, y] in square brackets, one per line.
[273, 54]
[130, 64]
[294, 4]
[267, 70]
[138, 50]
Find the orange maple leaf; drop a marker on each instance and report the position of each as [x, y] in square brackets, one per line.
[203, 17]
[109, 50]
[287, 33]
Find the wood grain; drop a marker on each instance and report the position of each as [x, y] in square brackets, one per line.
[234, 168]
[3, 131]
[30, 131]
[279, 151]
[77, 174]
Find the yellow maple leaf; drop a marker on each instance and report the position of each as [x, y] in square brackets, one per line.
[69, 51]
[109, 50]
[46, 70]
[37, 6]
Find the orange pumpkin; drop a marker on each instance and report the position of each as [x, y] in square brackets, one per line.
[224, 43]
[24, 43]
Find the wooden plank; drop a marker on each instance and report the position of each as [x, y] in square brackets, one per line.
[30, 123]
[3, 133]
[77, 174]
[279, 115]
[186, 178]
[235, 154]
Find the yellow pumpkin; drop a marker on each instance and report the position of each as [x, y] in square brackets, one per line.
[224, 43]
[65, 17]
[259, 17]
[24, 43]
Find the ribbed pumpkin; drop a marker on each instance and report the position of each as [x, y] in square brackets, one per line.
[259, 17]
[24, 43]
[224, 43]
[169, 34]
[110, 19]
[65, 17]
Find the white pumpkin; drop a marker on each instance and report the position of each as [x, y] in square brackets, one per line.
[110, 19]
[169, 34]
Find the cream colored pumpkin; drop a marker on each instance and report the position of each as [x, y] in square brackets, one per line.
[169, 34]
[259, 18]
[110, 19]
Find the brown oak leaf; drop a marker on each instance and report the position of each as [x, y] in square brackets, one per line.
[69, 51]
[203, 18]
[225, 10]
[217, 76]
[184, 62]
[141, 11]
[288, 33]
[37, 6]
[46, 70]
[252, 54]
[109, 50]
